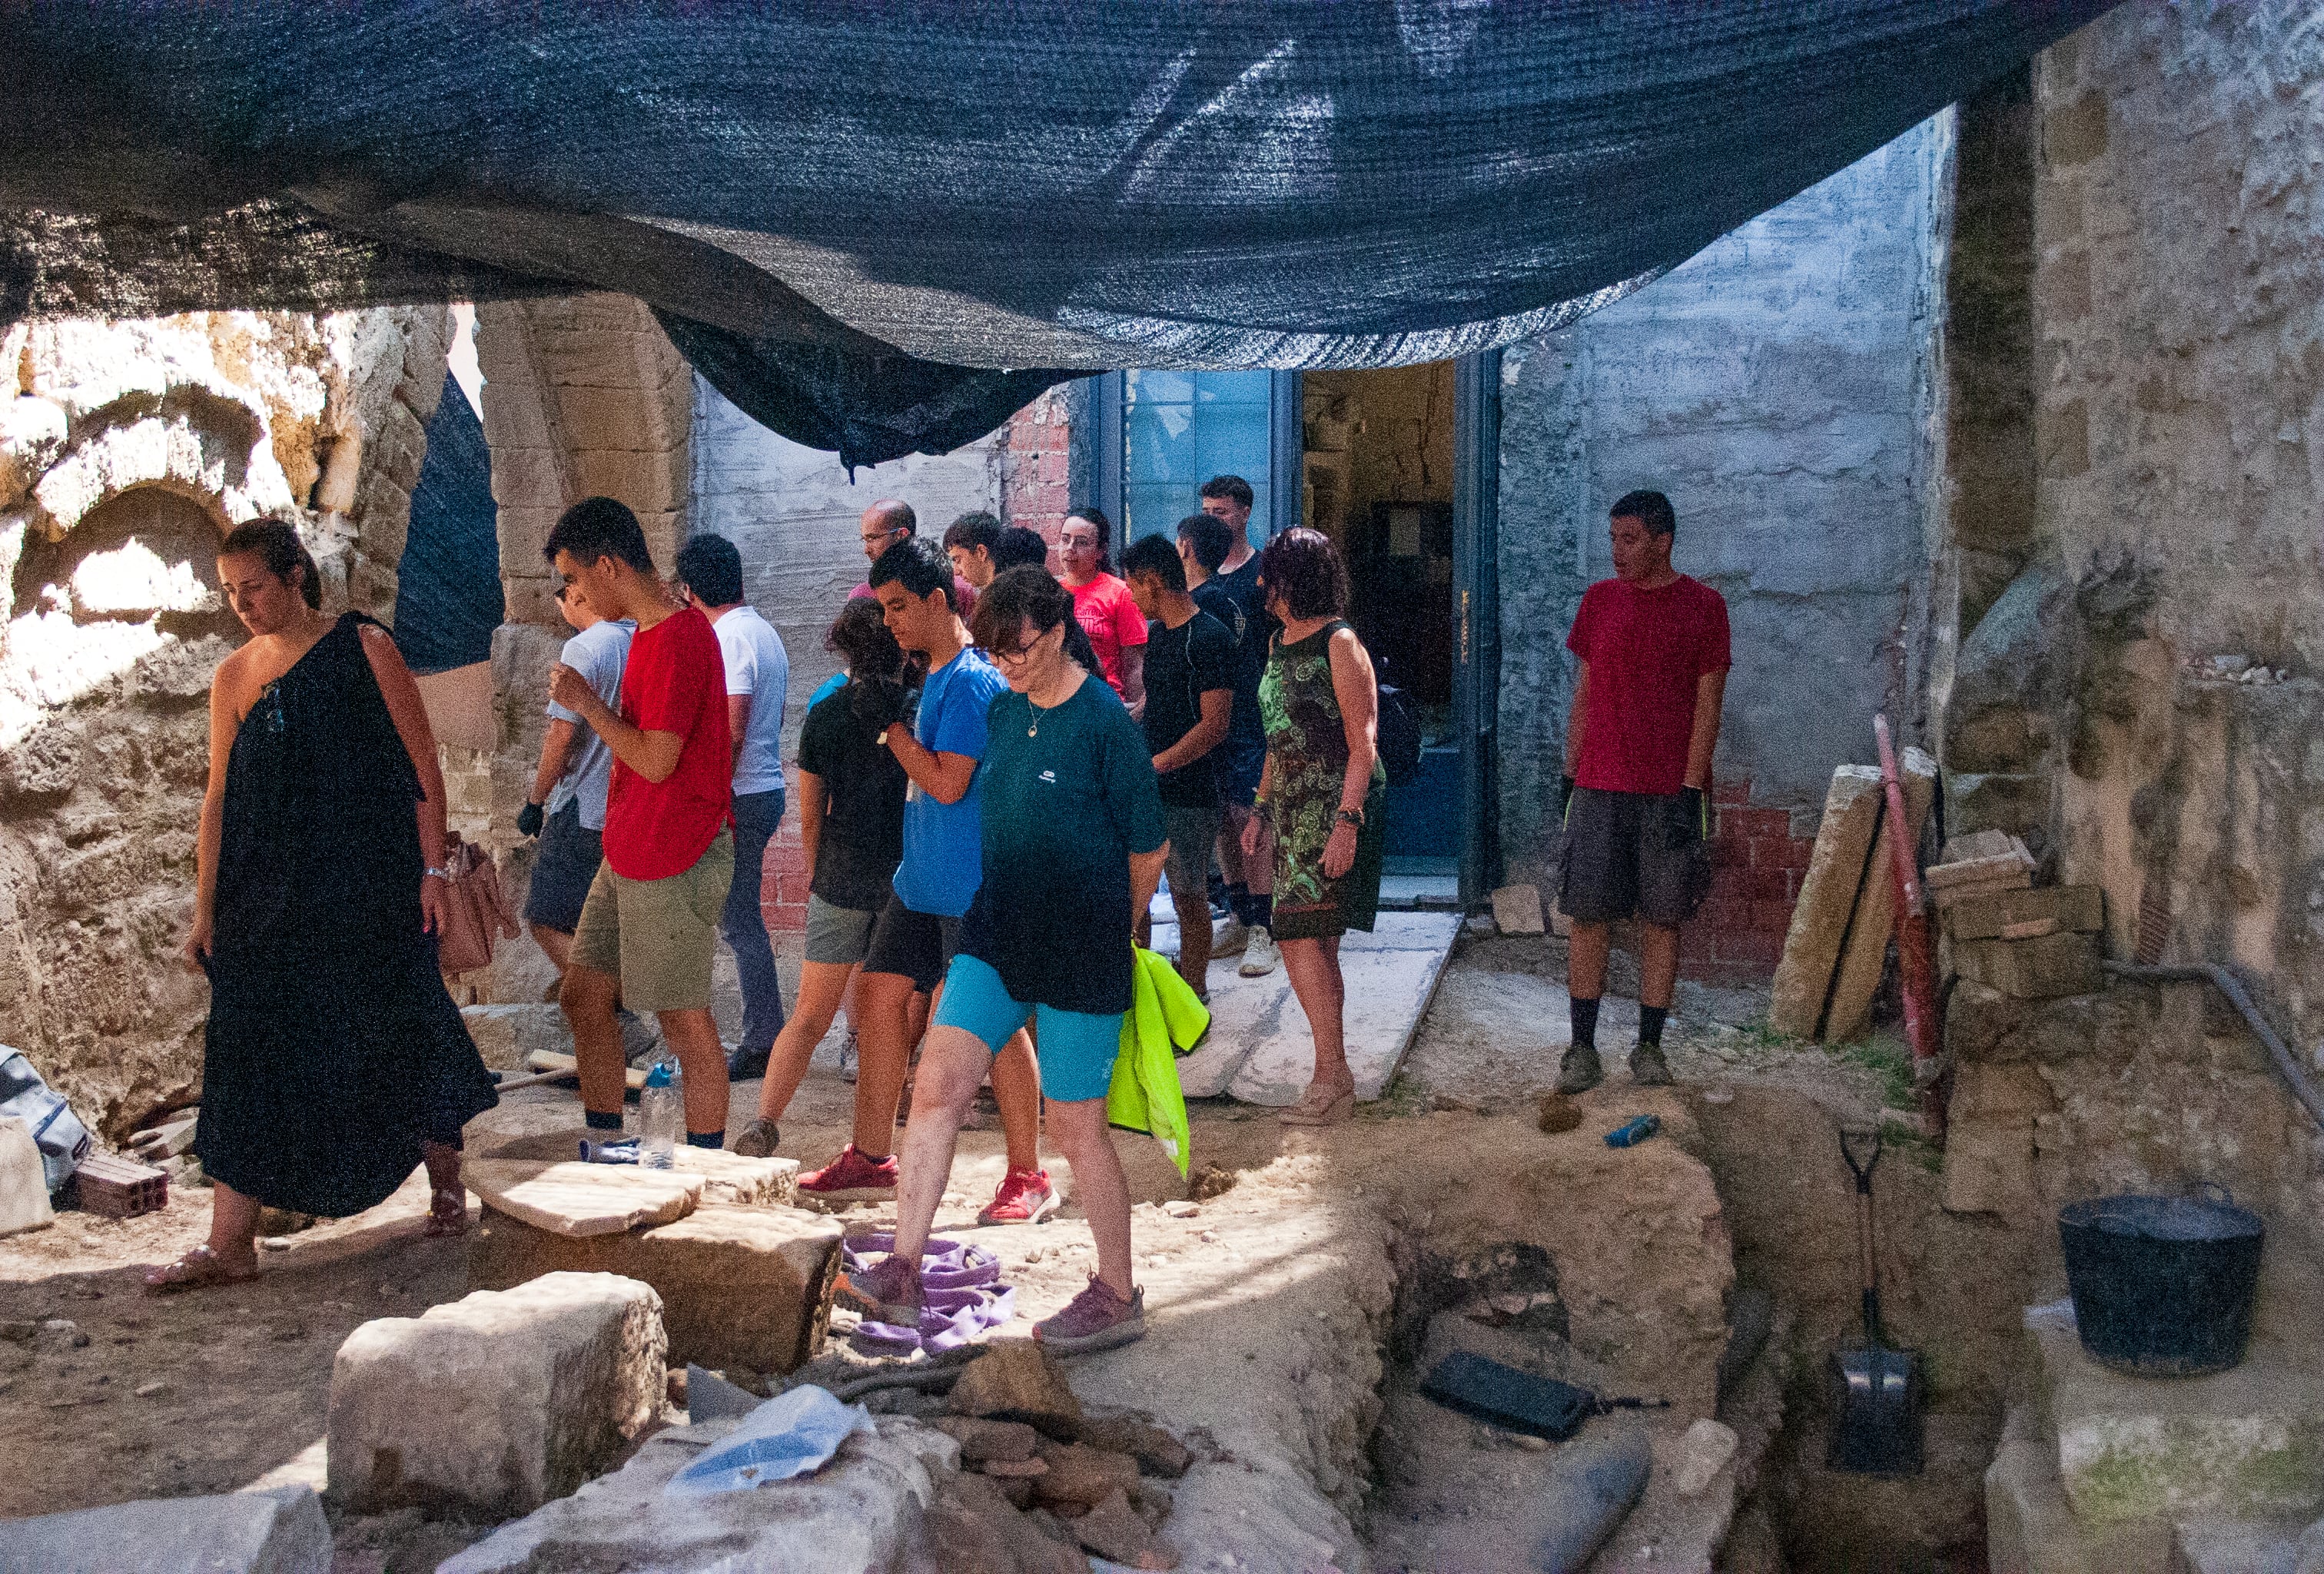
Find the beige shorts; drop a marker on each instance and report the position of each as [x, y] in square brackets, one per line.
[658, 937]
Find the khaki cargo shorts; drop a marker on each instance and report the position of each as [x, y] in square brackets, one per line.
[658, 937]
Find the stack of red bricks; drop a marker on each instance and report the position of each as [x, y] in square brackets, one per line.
[1756, 866]
[1036, 486]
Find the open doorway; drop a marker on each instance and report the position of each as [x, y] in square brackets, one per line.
[1378, 470]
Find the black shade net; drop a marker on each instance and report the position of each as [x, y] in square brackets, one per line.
[866, 221]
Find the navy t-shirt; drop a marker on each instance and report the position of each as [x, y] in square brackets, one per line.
[1182, 665]
[1234, 599]
[1068, 796]
[862, 837]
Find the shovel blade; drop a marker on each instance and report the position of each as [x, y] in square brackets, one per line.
[1879, 1396]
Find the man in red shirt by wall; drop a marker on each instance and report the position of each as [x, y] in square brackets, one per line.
[650, 926]
[1650, 651]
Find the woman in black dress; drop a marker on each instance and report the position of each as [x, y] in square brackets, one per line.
[335, 1060]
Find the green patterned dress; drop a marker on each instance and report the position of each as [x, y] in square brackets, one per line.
[1307, 764]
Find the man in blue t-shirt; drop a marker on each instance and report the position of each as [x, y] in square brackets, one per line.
[914, 938]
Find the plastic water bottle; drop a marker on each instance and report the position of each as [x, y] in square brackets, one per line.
[661, 1114]
[1635, 1132]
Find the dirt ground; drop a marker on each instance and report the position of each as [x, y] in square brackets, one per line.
[145, 1397]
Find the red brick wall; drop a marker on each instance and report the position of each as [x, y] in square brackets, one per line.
[782, 895]
[1035, 492]
[1756, 866]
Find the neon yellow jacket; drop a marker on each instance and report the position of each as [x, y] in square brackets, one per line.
[1165, 1020]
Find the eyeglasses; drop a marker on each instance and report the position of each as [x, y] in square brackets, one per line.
[878, 536]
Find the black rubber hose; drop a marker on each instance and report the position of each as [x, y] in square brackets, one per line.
[2295, 1075]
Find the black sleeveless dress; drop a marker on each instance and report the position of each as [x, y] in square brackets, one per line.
[333, 1048]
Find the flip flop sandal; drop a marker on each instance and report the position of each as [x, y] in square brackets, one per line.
[447, 1213]
[199, 1269]
[1315, 1110]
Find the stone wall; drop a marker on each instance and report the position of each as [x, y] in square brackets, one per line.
[1780, 387]
[2165, 648]
[126, 449]
[793, 511]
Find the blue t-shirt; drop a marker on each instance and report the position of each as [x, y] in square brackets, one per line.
[943, 848]
[598, 653]
[827, 688]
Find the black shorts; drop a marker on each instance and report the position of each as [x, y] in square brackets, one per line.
[562, 868]
[1631, 853]
[915, 945]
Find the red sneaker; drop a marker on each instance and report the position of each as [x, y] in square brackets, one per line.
[1095, 1320]
[889, 1290]
[1025, 1197]
[851, 1178]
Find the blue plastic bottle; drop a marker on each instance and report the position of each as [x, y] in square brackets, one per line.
[1635, 1132]
[661, 1114]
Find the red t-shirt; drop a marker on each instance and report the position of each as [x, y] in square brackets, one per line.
[1108, 613]
[676, 682]
[1646, 652]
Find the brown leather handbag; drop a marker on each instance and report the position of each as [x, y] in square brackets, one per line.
[475, 910]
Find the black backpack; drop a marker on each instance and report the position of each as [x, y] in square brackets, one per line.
[1398, 736]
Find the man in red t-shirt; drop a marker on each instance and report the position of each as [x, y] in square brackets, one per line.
[1650, 672]
[650, 926]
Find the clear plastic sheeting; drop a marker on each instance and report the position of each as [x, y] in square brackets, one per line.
[790, 1435]
[876, 203]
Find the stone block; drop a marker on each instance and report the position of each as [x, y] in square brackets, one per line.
[1864, 955]
[571, 1198]
[741, 1288]
[726, 1177]
[1516, 909]
[280, 1531]
[506, 1035]
[2247, 1443]
[23, 1181]
[857, 1512]
[1017, 1380]
[2005, 914]
[2039, 969]
[1998, 800]
[499, 1402]
[1828, 893]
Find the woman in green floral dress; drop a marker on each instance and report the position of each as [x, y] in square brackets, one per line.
[1324, 790]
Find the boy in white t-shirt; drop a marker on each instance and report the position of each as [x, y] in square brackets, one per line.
[758, 672]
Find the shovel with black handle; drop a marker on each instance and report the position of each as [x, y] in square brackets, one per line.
[1877, 1394]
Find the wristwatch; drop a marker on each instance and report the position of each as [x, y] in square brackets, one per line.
[1351, 817]
[441, 874]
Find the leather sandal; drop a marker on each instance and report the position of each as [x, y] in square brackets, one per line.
[447, 1211]
[199, 1269]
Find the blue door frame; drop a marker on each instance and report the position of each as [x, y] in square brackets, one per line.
[1475, 580]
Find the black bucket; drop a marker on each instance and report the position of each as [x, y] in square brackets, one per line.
[2162, 1285]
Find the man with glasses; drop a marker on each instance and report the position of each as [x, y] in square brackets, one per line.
[886, 522]
[566, 808]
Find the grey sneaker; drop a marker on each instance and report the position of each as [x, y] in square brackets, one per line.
[889, 1291]
[847, 1058]
[1259, 957]
[1648, 1069]
[1579, 1070]
[1228, 935]
[1095, 1320]
[758, 1139]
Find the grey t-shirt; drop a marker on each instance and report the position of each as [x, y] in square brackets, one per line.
[598, 653]
[756, 666]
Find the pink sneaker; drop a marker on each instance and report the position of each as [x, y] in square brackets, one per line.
[1025, 1197]
[851, 1178]
[1095, 1320]
[889, 1290]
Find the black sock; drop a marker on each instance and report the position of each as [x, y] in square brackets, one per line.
[1585, 1023]
[1650, 1025]
[705, 1139]
[1237, 898]
[600, 1121]
[1259, 911]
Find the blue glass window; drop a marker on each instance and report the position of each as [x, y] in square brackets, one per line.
[1180, 428]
